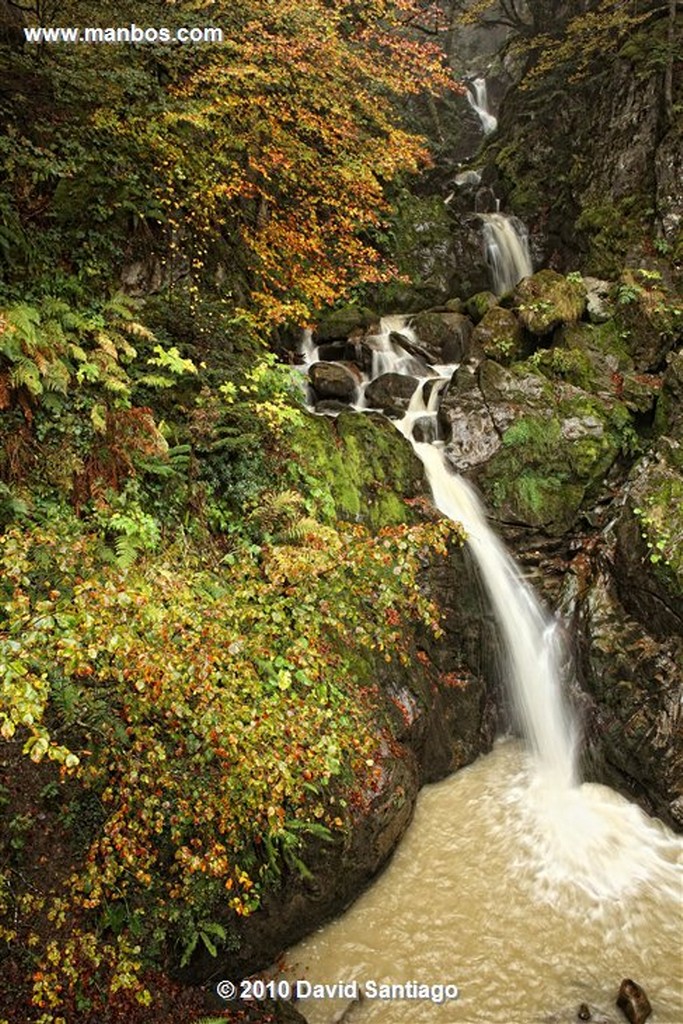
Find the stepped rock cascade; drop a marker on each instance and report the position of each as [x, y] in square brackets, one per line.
[562, 884]
[506, 242]
[478, 100]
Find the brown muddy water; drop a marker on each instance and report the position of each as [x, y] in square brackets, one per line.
[530, 901]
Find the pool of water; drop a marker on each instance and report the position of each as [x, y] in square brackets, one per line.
[528, 900]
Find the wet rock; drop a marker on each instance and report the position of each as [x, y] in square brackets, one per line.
[478, 305]
[338, 325]
[633, 1002]
[351, 351]
[467, 423]
[669, 174]
[633, 684]
[442, 337]
[391, 392]
[425, 429]
[499, 336]
[334, 380]
[330, 407]
[547, 299]
[599, 307]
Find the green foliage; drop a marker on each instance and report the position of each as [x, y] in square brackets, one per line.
[216, 717]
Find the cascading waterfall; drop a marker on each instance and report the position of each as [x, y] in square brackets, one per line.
[533, 652]
[506, 241]
[545, 881]
[478, 99]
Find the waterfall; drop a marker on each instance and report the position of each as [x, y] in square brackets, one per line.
[478, 100]
[562, 868]
[507, 250]
[533, 651]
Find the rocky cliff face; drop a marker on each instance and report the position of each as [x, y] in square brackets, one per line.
[593, 166]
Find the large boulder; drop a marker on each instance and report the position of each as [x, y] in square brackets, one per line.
[538, 448]
[466, 422]
[499, 336]
[442, 337]
[391, 392]
[547, 299]
[340, 323]
[334, 380]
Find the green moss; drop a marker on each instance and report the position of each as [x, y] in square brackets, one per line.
[547, 299]
[532, 433]
[572, 366]
[614, 229]
[525, 189]
[357, 467]
[548, 465]
[477, 306]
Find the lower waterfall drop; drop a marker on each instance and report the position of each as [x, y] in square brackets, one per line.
[515, 881]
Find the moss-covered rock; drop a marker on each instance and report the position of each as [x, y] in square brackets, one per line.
[649, 562]
[478, 305]
[358, 467]
[538, 448]
[595, 357]
[547, 299]
[440, 256]
[499, 335]
[340, 323]
[650, 317]
[444, 337]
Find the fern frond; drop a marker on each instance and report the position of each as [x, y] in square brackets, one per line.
[25, 373]
[107, 345]
[56, 377]
[127, 550]
[278, 509]
[24, 321]
[301, 530]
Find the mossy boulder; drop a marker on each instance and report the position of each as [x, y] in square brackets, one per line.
[340, 323]
[478, 305]
[547, 299]
[359, 467]
[443, 337]
[334, 380]
[499, 335]
[538, 448]
[595, 357]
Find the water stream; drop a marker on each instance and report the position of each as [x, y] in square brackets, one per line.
[527, 890]
[507, 250]
[477, 96]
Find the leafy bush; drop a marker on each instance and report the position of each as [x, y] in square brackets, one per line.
[216, 718]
